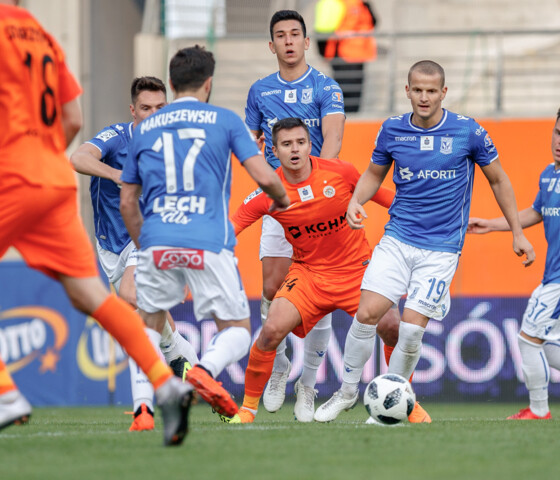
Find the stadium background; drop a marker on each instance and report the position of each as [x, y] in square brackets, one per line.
[501, 62]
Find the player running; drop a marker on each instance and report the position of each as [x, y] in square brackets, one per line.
[180, 160]
[103, 158]
[539, 336]
[329, 257]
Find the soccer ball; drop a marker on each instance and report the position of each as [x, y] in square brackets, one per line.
[389, 399]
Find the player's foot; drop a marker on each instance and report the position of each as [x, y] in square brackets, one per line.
[174, 399]
[527, 414]
[245, 416]
[275, 391]
[234, 419]
[14, 409]
[211, 391]
[304, 408]
[419, 415]
[143, 419]
[180, 366]
[336, 404]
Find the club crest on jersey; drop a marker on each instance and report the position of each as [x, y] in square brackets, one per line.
[329, 191]
[426, 142]
[446, 145]
[305, 193]
[170, 258]
[290, 96]
[307, 95]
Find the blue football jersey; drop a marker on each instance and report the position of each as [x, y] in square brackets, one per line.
[547, 204]
[113, 142]
[433, 175]
[311, 97]
[181, 156]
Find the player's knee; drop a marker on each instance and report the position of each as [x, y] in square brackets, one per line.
[410, 337]
[388, 328]
[271, 336]
[271, 286]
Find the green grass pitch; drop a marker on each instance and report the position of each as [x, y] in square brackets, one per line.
[465, 441]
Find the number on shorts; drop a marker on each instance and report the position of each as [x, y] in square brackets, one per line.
[198, 135]
[536, 310]
[440, 289]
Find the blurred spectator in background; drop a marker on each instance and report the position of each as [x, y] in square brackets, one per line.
[346, 51]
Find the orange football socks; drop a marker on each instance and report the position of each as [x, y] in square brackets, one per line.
[6, 382]
[257, 374]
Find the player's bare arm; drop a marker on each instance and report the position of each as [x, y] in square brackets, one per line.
[332, 127]
[527, 217]
[130, 210]
[503, 192]
[87, 160]
[71, 119]
[259, 137]
[262, 173]
[366, 188]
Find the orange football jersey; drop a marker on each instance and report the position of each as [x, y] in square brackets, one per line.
[315, 222]
[34, 83]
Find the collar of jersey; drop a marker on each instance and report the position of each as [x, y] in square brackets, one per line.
[185, 99]
[303, 77]
[130, 129]
[431, 129]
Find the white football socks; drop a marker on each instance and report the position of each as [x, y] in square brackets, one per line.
[537, 374]
[174, 345]
[552, 352]
[142, 390]
[357, 350]
[315, 347]
[225, 348]
[406, 354]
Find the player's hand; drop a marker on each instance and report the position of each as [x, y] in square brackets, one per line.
[280, 205]
[522, 246]
[478, 225]
[260, 141]
[355, 215]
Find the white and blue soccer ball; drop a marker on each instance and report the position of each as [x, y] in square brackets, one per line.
[389, 399]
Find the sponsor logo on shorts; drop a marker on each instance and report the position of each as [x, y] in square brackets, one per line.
[179, 258]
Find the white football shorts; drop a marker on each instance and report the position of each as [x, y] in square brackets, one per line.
[542, 315]
[273, 240]
[114, 264]
[397, 268]
[213, 279]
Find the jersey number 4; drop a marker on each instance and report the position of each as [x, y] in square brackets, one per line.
[165, 143]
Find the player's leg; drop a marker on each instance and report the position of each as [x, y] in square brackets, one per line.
[218, 293]
[538, 326]
[357, 351]
[283, 317]
[119, 269]
[14, 408]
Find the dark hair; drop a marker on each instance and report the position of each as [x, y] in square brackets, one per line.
[558, 115]
[282, 15]
[190, 68]
[428, 67]
[141, 84]
[288, 124]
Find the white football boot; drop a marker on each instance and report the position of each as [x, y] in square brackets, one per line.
[336, 404]
[304, 408]
[275, 392]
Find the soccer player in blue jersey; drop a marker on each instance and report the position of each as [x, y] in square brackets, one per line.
[180, 160]
[434, 152]
[103, 158]
[295, 90]
[539, 336]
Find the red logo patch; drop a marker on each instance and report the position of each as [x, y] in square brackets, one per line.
[179, 258]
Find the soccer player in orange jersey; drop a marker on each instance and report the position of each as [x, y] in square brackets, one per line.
[329, 258]
[41, 116]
